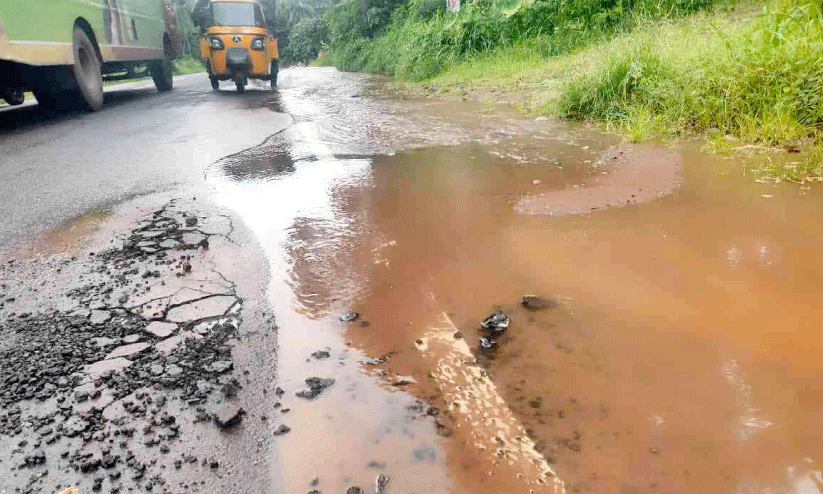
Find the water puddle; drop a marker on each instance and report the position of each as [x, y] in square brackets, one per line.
[67, 238]
[682, 355]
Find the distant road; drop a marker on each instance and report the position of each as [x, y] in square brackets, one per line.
[56, 166]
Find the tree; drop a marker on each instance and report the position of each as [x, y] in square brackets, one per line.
[306, 38]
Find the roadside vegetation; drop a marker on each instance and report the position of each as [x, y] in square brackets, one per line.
[299, 27]
[759, 80]
[188, 64]
[740, 72]
[419, 39]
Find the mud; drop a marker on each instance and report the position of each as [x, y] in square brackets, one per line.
[628, 174]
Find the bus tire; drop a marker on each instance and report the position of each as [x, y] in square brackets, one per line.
[14, 97]
[161, 70]
[87, 69]
[275, 67]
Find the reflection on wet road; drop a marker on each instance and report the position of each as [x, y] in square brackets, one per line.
[683, 355]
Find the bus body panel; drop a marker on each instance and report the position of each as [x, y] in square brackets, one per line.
[39, 32]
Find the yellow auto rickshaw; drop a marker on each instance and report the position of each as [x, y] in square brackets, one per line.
[236, 43]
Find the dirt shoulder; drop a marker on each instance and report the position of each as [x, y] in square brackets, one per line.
[630, 174]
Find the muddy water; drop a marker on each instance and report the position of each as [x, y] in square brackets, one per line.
[68, 237]
[683, 355]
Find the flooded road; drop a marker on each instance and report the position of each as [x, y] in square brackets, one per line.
[673, 345]
[683, 353]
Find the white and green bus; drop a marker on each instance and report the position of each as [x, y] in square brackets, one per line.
[62, 50]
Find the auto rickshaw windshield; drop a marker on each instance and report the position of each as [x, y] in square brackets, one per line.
[237, 14]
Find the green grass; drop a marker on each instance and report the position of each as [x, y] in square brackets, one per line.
[187, 65]
[757, 79]
[739, 74]
[418, 43]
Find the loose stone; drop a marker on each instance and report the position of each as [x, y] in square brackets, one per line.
[228, 415]
[350, 316]
[534, 302]
[316, 386]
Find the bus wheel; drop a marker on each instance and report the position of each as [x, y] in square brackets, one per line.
[14, 96]
[87, 70]
[161, 70]
[215, 83]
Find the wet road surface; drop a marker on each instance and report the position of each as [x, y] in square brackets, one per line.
[59, 166]
[680, 352]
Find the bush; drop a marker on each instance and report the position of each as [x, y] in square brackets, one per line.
[417, 40]
[759, 80]
[427, 9]
[187, 65]
[306, 39]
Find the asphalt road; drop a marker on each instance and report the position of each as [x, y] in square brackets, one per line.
[57, 166]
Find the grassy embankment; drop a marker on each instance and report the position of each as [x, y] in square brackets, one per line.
[187, 65]
[750, 78]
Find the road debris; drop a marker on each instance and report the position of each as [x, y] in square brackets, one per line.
[282, 429]
[381, 483]
[107, 360]
[497, 322]
[316, 386]
[349, 316]
[534, 302]
[228, 415]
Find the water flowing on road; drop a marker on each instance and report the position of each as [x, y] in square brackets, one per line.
[680, 351]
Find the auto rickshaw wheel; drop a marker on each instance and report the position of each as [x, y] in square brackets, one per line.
[215, 83]
[241, 84]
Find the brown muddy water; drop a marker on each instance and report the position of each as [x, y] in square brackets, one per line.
[684, 354]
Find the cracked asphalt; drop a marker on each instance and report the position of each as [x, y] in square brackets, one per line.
[118, 353]
[108, 368]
